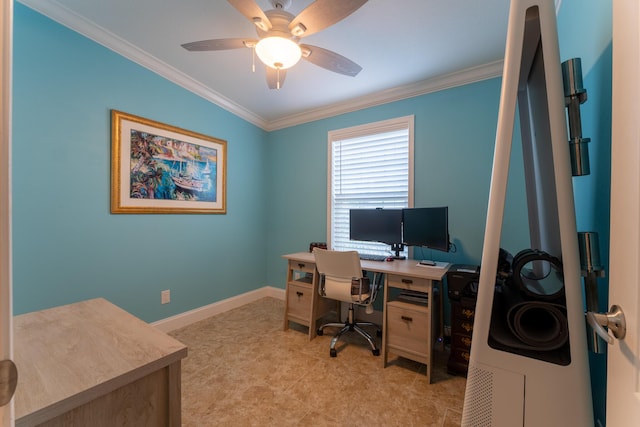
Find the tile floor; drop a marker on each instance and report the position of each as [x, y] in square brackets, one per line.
[244, 370]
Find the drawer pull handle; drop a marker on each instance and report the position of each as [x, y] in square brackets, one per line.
[301, 265]
[299, 293]
[407, 281]
[468, 313]
[407, 318]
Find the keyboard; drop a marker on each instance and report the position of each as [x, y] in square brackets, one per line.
[370, 257]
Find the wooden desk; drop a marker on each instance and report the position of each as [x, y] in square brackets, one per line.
[91, 363]
[407, 330]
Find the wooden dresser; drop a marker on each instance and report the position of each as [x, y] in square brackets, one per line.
[462, 284]
[93, 364]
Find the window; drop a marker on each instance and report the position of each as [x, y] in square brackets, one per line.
[370, 166]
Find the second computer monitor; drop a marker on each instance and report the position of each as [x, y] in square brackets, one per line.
[427, 227]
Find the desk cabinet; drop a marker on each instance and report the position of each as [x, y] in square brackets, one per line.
[410, 328]
[303, 304]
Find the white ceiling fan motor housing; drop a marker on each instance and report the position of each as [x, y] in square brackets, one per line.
[280, 4]
[279, 25]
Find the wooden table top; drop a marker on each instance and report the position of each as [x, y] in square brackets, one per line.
[69, 355]
[406, 267]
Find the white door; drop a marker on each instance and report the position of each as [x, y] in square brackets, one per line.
[623, 381]
[6, 18]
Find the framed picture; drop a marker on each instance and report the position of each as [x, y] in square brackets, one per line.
[161, 169]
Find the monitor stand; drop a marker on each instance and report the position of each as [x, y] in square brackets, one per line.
[397, 248]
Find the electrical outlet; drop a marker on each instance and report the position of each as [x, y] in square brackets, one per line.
[165, 296]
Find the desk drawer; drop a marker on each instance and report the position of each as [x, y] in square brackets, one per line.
[412, 283]
[407, 328]
[307, 267]
[299, 298]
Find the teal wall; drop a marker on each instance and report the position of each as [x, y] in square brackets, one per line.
[454, 140]
[68, 247]
[584, 31]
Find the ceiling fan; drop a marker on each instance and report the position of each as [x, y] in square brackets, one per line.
[279, 33]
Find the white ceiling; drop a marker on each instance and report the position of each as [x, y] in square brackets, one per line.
[406, 47]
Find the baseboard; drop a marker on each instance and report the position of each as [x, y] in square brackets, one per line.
[188, 317]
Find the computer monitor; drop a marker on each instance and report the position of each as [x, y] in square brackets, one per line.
[427, 227]
[376, 225]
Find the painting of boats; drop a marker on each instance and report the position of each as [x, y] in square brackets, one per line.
[170, 169]
[157, 168]
[193, 178]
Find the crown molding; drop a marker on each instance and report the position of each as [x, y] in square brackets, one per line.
[89, 29]
[447, 81]
[70, 19]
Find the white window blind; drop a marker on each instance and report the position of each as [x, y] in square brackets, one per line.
[370, 167]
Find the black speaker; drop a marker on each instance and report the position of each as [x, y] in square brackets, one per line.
[462, 281]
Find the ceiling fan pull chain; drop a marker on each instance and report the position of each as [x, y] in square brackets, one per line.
[278, 65]
[253, 58]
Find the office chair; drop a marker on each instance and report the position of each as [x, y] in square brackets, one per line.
[342, 279]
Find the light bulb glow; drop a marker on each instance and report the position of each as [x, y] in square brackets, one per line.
[278, 52]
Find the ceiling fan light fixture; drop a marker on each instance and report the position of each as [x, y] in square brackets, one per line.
[278, 52]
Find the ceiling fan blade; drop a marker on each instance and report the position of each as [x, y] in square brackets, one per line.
[251, 10]
[330, 60]
[275, 78]
[218, 44]
[322, 14]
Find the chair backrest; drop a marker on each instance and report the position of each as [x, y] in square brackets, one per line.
[338, 264]
[341, 276]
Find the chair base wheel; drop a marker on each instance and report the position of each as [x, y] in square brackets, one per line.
[320, 332]
[333, 352]
[376, 352]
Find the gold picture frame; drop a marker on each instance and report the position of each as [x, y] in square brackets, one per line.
[161, 169]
